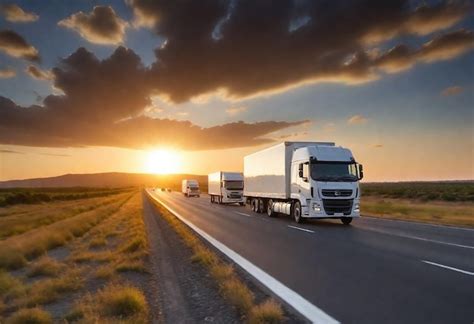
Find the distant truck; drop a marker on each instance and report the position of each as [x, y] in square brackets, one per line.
[190, 188]
[304, 180]
[226, 187]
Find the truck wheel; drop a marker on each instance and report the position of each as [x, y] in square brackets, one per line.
[261, 206]
[242, 204]
[270, 212]
[212, 199]
[346, 220]
[219, 200]
[297, 212]
[254, 204]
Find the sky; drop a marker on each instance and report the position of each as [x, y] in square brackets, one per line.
[192, 87]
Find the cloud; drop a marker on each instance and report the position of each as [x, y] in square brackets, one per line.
[232, 111]
[101, 26]
[329, 127]
[442, 47]
[7, 73]
[377, 145]
[103, 105]
[242, 49]
[452, 91]
[357, 120]
[14, 45]
[13, 13]
[38, 73]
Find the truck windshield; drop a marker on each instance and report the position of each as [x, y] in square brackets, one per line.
[234, 185]
[334, 171]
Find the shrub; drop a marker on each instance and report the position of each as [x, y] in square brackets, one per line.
[45, 266]
[30, 316]
[267, 312]
[121, 301]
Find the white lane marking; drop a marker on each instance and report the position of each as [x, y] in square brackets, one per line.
[243, 214]
[301, 229]
[450, 227]
[310, 311]
[448, 267]
[420, 238]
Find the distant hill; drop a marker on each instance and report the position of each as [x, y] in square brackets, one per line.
[110, 179]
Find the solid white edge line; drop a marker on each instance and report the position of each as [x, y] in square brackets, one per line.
[301, 229]
[448, 267]
[303, 306]
[243, 214]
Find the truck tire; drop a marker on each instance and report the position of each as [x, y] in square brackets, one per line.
[261, 206]
[346, 220]
[241, 203]
[297, 212]
[270, 211]
[254, 204]
[219, 200]
[212, 199]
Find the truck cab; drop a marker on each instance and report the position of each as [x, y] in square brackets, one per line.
[325, 182]
[190, 188]
[226, 187]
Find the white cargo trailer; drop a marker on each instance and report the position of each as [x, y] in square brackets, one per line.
[190, 188]
[226, 187]
[305, 180]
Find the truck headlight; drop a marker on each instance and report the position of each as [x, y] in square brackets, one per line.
[356, 208]
[316, 207]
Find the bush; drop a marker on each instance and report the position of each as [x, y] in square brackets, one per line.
[30, 316]
[121, 301]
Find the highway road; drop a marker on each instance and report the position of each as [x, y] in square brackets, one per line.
[374, 271]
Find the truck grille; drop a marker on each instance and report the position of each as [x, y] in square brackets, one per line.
[336, 192]
[332, 206]
[235, 195]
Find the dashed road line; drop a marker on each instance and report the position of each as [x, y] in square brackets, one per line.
[243, 214]
[301, 229]
[448, 267]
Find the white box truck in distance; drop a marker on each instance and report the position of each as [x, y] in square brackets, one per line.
[304, 180]
[190, 188]
[226, 187]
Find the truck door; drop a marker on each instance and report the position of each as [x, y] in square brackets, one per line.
[303, 184]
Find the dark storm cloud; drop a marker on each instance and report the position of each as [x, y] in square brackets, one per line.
[101, 26]
[246, 48]
[102, 105]
[15, 45]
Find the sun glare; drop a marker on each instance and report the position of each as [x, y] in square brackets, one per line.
[163, 162]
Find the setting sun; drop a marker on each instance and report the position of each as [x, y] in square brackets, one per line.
[163, 162]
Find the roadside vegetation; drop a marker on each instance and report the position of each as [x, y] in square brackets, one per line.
[17, 196]
[87, 267]
[447, 203]
[231, 286]
[458, 191]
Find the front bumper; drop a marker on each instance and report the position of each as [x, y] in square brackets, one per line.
[319, 209]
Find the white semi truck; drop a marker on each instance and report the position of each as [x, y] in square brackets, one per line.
[190, 188]
[226, 187]
[304, 180]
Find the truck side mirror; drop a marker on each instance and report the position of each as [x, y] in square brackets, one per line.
[361, 172]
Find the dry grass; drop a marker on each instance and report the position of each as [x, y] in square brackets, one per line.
[30, 316]
[17, 220]
[46, 291]
[10, 286]
[231, 287]
[447, 213]
[45, 266]
[267, 312]
[15, 250]
[114, 303]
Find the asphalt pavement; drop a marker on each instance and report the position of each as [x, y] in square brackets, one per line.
[373, 271]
